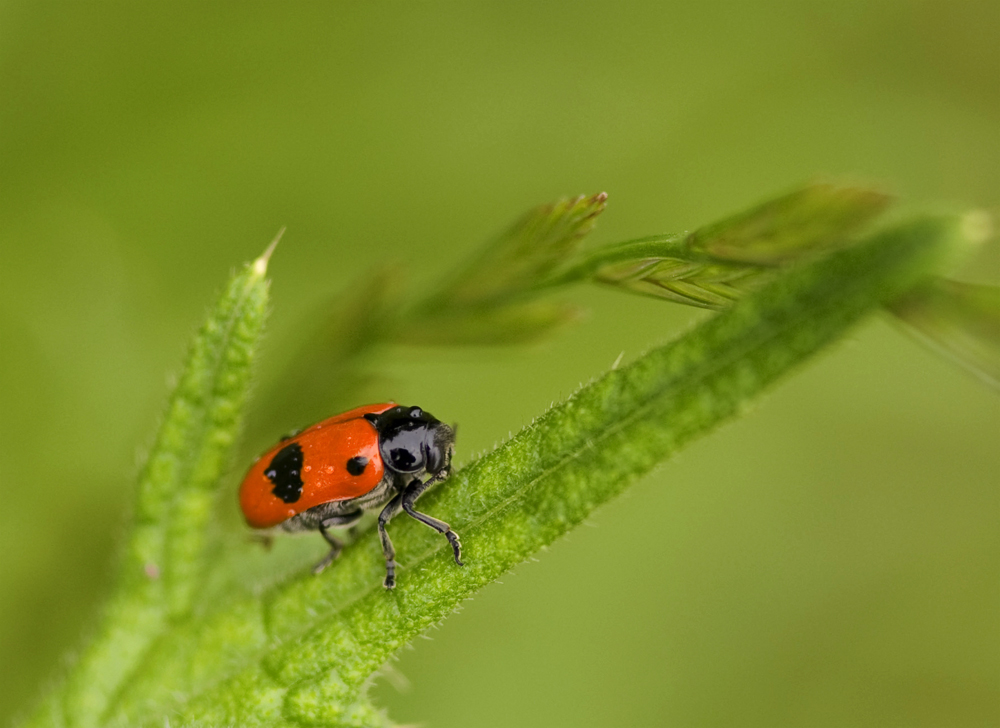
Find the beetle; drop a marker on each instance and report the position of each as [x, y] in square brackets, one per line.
[377, 457]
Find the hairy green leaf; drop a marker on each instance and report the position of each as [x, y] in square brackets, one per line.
[301, 653]
[162, 561]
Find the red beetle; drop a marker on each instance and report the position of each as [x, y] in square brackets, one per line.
[373, 457]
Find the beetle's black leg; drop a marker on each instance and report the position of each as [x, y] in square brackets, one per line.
[264, 539]
[391, 509]
[335, 546]
[342, 521]
[413, 491]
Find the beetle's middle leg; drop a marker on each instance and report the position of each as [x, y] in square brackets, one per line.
[336, 545]
[413, 491]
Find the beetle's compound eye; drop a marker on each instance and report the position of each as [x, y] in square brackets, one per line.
[440, 448]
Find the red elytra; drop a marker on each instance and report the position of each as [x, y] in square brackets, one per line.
[326, 448]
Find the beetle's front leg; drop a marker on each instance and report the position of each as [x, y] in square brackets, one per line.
[413, 491]
[391, 509]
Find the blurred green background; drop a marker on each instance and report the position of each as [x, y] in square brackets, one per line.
[831, 559]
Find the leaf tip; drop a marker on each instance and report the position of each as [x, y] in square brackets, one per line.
[596, 203]
[260, 265]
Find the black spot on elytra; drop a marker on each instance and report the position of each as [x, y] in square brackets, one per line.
[285, 472]
[357, 465]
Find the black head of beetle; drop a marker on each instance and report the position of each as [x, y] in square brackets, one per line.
[412, 441]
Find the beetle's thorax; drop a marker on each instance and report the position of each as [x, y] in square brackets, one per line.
[413, 442]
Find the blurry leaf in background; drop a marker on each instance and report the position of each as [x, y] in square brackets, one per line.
[960, 320]
[512, 323]
[484, 302]
[813, 218]
[522, 257]
[718, 263]
[323, 357]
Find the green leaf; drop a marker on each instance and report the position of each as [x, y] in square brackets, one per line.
[488, 300]
[959, 320]
[162, 563]
[301, 653]
[816, 217]
[523, 256]
[514, 323]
